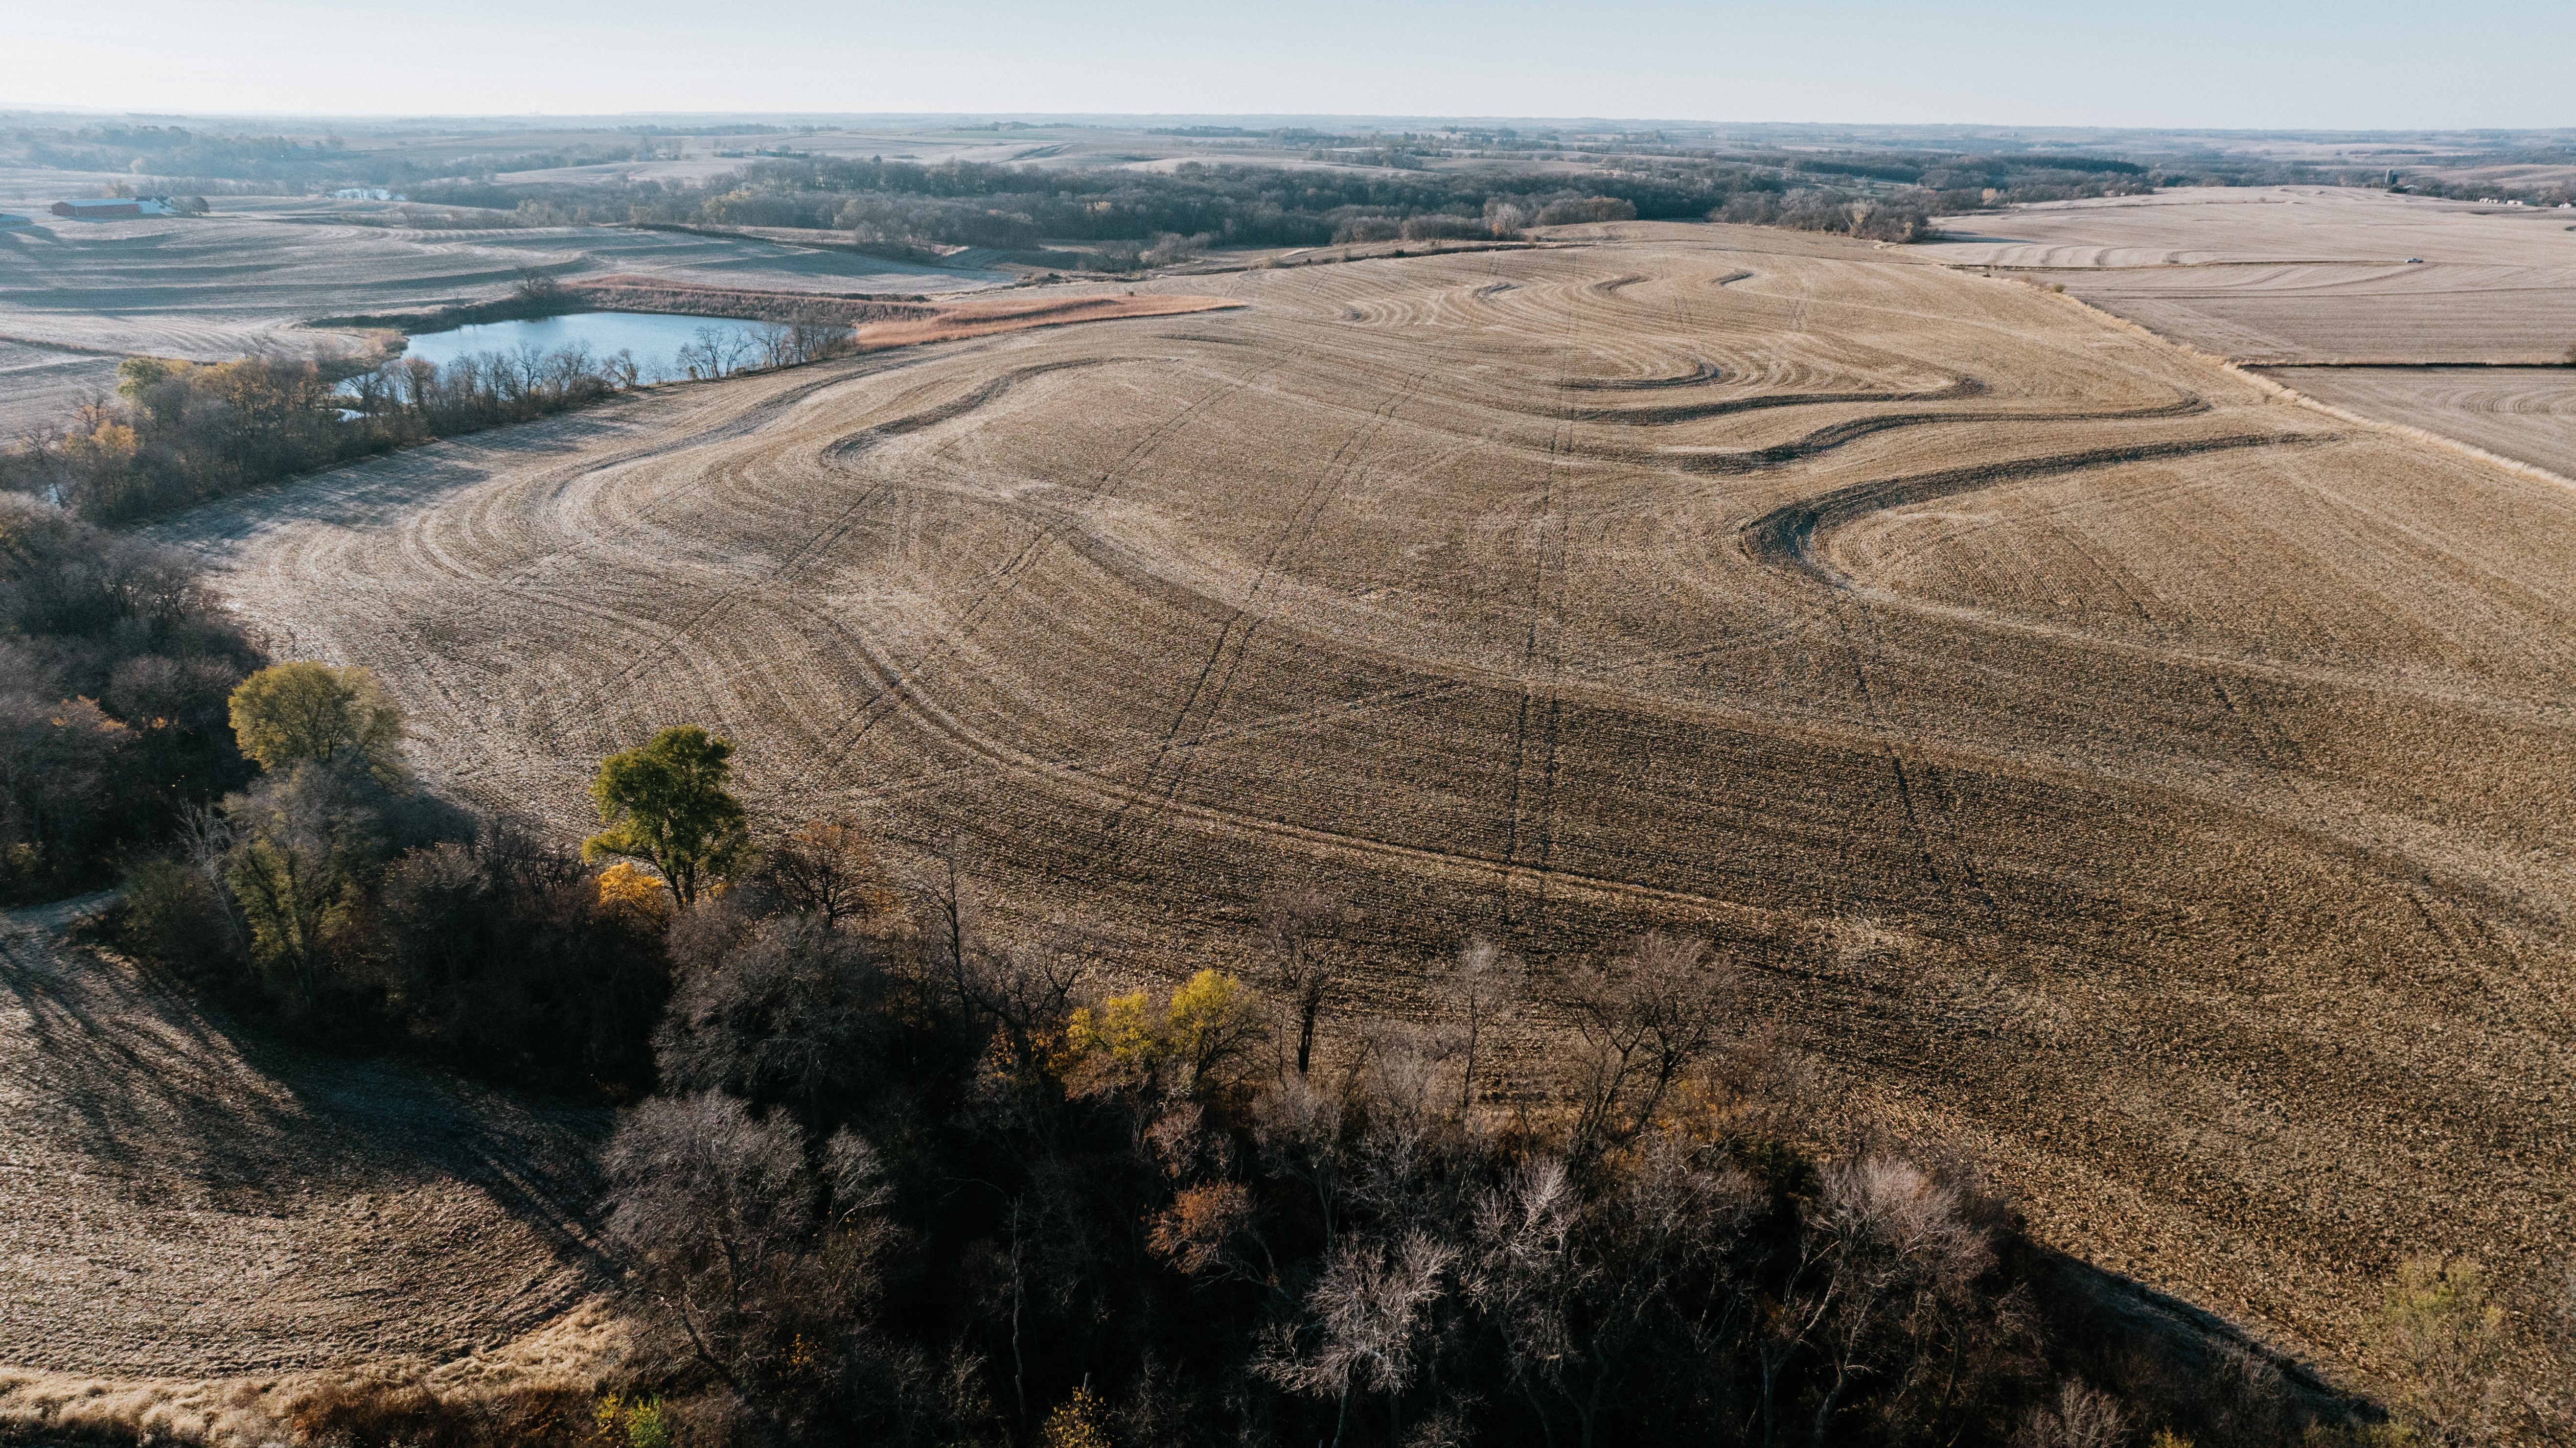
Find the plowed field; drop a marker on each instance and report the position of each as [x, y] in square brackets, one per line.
[178, 1202]
[2519, 412]
[2166, 788]
[2301, 274]
[39, 386]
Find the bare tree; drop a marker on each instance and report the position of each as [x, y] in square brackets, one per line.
[204, 837]
[1299, 1128]
[537, 287]
[824, 867]
[714, 1203]
[1363, 1325]
[1888, 1257]
[1480, 995]
[1299, 925]
[940, 900]
[813, 337]
[1640, 1020]
[1581, 1288]
[2082, 1417]
[792, 1012]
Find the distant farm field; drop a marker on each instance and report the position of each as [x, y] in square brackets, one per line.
[2165, 789]
[40, 385]
[2520, 412]
[244, 279]
[2302, 274]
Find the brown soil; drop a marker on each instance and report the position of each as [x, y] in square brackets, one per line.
[881, 322]
[2520, 412]
[2163, 788]
[181, 1202]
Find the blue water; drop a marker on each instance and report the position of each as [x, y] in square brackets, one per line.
[654, 338]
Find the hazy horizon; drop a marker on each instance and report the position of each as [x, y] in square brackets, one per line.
[2195, 66]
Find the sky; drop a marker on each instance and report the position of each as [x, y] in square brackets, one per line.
[2365, 65]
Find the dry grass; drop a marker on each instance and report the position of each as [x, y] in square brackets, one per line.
[552, 1373]
[2164, 788]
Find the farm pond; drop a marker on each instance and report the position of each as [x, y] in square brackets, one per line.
[654, 338]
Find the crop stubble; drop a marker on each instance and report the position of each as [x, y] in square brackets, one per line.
[178, 1202]
[2193, 769]
[245, 280]
[2449, 316]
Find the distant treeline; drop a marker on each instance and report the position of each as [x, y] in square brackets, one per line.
[2475, 190]
[174, 151]
[1011, 209]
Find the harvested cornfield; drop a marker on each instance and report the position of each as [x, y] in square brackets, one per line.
[180, 1202]
[2293, 275]
[2163, 787]
[245, 279]
[2527, 413]
[41, 386]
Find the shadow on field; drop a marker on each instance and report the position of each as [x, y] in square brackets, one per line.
[381, 491]
[224, 1165]
[2154, 1346]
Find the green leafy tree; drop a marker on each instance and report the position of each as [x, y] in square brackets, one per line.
[332, 717]
[303, 841]
[665, 804]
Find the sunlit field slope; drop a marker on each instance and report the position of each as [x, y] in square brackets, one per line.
[2165, 787]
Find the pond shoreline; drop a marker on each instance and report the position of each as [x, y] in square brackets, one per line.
[622, 293]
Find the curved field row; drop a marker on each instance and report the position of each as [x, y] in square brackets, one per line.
[39, 385]
[2144, 711]
[241, 281]
[2520, 412]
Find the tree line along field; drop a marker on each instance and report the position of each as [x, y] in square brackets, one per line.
[2159, 786]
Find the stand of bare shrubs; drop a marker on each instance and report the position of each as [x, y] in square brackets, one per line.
[182, 432]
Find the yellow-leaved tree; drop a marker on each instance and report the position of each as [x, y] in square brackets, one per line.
[1129, 1043]
[308, 712]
